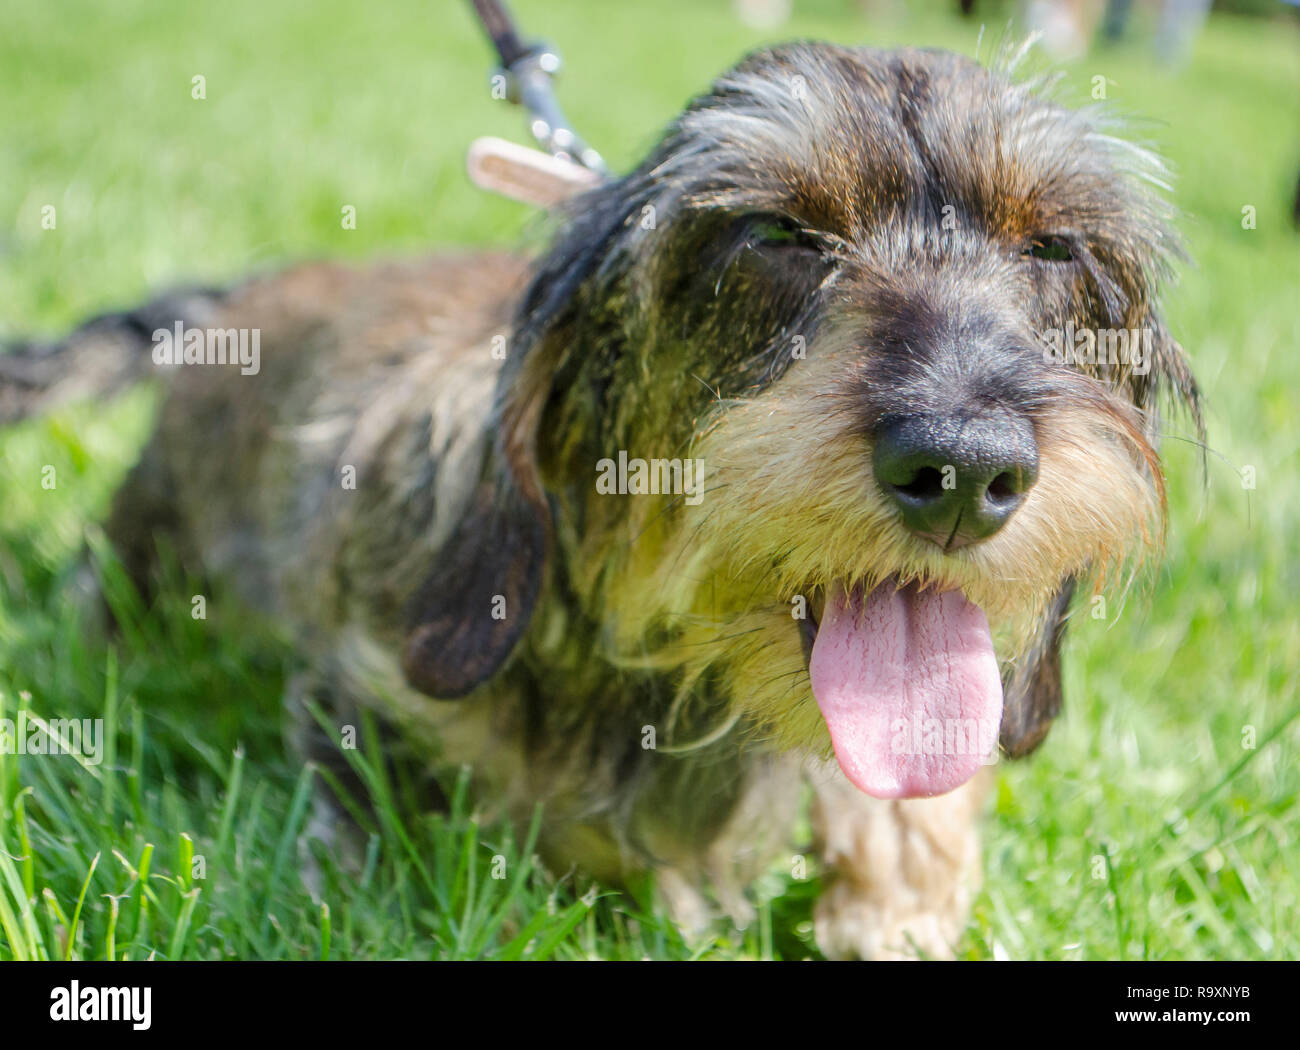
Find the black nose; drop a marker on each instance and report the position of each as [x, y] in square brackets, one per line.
[956, 480]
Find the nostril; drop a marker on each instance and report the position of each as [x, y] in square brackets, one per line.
[1004, 488]
[926, 485]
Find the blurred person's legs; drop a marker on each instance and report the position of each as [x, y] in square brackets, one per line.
[1180, 24]
[1065, 26]
[1116, 20]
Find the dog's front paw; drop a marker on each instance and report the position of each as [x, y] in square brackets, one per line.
[850, 924]
[900, 875]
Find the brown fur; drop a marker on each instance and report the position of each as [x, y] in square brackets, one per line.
[889, 209]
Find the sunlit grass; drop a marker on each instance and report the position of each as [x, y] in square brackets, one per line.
[1147, 827]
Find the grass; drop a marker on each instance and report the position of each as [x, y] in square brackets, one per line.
[1145, 829]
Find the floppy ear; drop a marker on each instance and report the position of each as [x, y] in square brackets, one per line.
[1169, 372]
[1032, 689]
[475, 604]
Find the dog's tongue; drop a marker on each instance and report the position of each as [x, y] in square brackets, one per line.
[908, 684]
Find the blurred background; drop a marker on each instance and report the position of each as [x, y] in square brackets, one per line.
[199, 142]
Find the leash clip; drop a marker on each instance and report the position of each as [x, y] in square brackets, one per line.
[529, 84]
[528, 70]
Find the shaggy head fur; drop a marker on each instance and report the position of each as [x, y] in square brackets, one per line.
[828, 241]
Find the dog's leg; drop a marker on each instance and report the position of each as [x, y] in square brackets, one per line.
[144, 514]
[900, 876]
[329, 824]
[410, 783]
[713, 822]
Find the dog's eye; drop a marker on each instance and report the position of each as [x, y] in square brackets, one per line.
[781, 234]
[1053, 249]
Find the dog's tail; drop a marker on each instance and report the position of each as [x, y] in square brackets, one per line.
[100, 358]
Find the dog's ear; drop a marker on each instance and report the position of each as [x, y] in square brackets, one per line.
[475, 604]
[1032, 689]
[465, 618]
[576, 272]
[1168, 370]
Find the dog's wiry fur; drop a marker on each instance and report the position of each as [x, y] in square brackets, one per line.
[828, 238]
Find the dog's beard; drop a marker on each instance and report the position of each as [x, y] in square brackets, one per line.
[904, 665]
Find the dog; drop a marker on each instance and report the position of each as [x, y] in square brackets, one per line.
[767, 479]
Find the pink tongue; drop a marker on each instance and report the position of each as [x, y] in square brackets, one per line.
[908, 684]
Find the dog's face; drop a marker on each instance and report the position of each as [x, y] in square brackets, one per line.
[878, 296]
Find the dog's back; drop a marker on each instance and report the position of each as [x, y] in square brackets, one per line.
[358, 366]
[257, 463]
